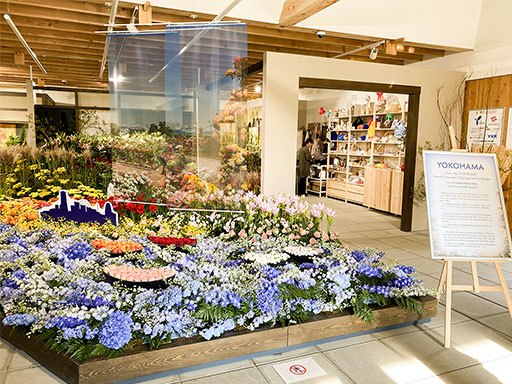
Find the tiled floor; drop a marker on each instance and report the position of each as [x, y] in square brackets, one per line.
[481, 329]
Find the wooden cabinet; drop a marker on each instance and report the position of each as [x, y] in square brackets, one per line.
[397, 185]
[383, 190]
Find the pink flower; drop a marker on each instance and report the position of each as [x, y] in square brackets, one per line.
[269, 232]
[242, 234]
[259, 230]
[231, 233]
[312, 241]
[325, 236]
[291, 236]
[264, 236]
[317, 234]
[330, 212]
[302, 232]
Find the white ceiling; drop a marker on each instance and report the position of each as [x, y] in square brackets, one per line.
[452, 23]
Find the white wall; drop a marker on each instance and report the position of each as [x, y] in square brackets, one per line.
[492, 53]
[280, 108]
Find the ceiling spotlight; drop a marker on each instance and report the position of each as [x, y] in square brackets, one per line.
[257, 89]
[373, 53]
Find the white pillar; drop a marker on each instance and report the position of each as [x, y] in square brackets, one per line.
[31, 131]
[279, 131]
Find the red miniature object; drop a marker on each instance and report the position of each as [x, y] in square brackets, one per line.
[176, 241]
[321, 111]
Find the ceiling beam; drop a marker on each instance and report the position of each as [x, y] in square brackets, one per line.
[294, 11]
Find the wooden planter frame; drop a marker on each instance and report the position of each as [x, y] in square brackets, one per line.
[187, 352]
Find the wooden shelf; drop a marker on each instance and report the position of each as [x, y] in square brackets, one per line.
[375, 153]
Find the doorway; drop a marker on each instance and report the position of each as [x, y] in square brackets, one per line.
[412, 94]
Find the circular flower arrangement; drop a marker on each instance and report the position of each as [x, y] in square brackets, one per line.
[272, 257]
[303, 254]
[116, 247]
[176, 241]
[303, 251]
[133, 276]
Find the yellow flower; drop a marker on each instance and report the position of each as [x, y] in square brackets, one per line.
[10, 180]
[16, 186]
[60, 170]
[33, 167]
[63, 181]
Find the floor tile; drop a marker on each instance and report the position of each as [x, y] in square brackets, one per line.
[429, 351]
[494, 372]
[375, 362]
[243, 376]
[333, 376]
[427, 266]
[345, 342]
[477, 341]
[473, 306]
[438, 321]
[34, 375]
[216, 369]
[284, 355]
[502, 323]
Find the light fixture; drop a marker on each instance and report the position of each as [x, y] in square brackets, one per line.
[257, 89]
[373, 53]
[373, 47]
[24, 43]
[116, 79]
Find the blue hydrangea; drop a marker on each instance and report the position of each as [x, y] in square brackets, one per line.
[78, 250]
[269, 298]
[358, 255]
[19, 319]
[81, 299]
[218, 329]
[15, 278]
[270, 272]
[116, 332]
[64, 322]
[342, 280]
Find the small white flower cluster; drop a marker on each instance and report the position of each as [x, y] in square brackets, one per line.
[272, 257]
[303, 251]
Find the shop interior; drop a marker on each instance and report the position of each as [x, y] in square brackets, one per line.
[359, 145]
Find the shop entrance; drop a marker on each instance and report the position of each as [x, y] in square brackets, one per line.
[365, 142]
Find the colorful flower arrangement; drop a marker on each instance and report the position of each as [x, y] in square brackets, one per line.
[176, 241]
[52, 286]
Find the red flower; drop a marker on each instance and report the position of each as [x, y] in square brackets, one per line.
[141, 209]
[152, 208]
[130, 206]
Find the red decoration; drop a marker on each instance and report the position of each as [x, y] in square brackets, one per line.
[177, 241]
[379, 96]
[321, 111]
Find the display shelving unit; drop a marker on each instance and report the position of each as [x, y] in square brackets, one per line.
[320, 181]
[358, 175]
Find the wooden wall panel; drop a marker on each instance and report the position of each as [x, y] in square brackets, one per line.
[397, 184]
[491, 92]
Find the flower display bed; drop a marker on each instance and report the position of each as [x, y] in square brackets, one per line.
[187, 352]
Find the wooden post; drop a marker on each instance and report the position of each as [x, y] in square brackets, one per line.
[448, 304]
[504, 286]
[31, 131]
[146, 13]
[446, 276]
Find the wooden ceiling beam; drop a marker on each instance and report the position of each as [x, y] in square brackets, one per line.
[294, 11]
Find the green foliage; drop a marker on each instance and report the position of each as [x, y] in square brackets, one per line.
[214, 313]
[409, 303]
[17, 140]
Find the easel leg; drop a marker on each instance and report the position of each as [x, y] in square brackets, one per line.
[448, 304]
[504, 286]
[442, 280]
[474, 272]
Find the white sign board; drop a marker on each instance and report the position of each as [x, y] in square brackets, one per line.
[299, 370]
[485, 126]
[466, 210]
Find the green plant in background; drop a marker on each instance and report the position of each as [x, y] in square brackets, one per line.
[17, 140]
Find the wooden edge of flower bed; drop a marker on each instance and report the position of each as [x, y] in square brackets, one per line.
[181, 353]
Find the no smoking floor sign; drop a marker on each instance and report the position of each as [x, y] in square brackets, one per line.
[299, 369]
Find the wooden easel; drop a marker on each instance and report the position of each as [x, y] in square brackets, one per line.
[446, 282]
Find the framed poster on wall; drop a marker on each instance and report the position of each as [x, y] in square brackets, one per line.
[466, 211]
[485, 126]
